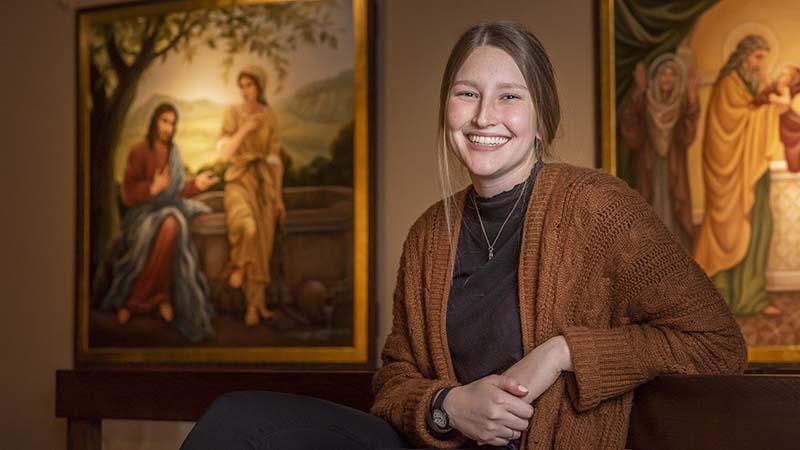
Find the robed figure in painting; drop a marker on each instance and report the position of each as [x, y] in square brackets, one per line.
[741, 138]
[253, 190]
[154, 263]
[786, 88]
[658, 124]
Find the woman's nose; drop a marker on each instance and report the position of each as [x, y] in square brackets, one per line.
[485, 115]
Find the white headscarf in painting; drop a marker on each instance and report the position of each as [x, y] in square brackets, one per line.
[663, 111]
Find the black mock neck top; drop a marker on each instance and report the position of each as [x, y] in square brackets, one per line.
[483, 326]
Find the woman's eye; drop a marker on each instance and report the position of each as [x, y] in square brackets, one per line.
[466, 94]
[510, 97]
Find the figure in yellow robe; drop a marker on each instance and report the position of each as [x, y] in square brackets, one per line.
[253, 190]
[740, 140]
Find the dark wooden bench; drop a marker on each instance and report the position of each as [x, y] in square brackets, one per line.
[671, 413]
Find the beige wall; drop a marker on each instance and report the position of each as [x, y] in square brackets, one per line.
[38, 145]
[37, 225]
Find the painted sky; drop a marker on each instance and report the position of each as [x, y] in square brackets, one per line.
[308, 63]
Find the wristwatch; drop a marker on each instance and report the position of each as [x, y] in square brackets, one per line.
[438, 414]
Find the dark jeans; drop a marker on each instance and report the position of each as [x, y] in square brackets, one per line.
[270, 420]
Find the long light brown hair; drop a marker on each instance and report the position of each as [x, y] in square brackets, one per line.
[532, 60]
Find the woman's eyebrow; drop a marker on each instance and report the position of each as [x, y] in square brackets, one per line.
[467, 82]
[512, 86]
[504, 85]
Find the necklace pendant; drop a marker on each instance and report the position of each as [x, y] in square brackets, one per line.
[491, 253]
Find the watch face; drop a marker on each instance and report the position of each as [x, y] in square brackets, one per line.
[440, 418]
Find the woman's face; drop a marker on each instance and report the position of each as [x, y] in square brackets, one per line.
[666, 78]
[249, 89]
[491, 121]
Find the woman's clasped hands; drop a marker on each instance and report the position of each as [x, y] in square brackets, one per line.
[489, 410]
[497, 409]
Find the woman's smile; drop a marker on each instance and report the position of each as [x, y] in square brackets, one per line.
[483, 142]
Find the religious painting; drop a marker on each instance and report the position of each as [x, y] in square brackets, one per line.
[223, 191]
[700, 113]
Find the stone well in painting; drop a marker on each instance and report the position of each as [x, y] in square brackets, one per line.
[312, 260]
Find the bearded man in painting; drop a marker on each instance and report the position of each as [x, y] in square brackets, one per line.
[154, 263]
[741, 138]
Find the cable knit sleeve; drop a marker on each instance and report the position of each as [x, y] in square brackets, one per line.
[404, 385]
[676, 321]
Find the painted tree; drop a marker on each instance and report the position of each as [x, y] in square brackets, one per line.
[121, 51]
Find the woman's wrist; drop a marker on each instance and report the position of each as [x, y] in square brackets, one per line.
[564, 356]
[447, 405]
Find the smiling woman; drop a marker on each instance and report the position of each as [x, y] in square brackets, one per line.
[491, 121]
[538, 293]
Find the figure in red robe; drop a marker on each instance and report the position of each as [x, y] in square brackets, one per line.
[154, 263]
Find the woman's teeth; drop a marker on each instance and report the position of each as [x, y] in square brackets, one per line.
[487, 140]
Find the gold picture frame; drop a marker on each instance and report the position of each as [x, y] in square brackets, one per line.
[700, 30]
[309, 52]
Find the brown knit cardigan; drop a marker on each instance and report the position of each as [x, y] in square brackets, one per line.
[596, 266]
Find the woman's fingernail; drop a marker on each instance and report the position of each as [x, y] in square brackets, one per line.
[523, 389]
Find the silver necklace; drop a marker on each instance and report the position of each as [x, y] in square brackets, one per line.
[513, 208]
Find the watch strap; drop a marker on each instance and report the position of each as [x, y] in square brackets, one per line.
[438, 404]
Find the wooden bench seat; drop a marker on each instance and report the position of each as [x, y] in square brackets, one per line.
[671, 413]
